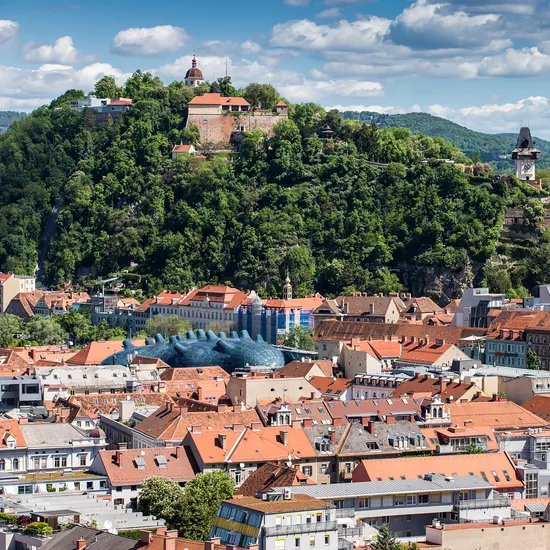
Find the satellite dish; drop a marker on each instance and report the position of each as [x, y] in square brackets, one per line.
[107, 524]
[241, 464]
[142, 453]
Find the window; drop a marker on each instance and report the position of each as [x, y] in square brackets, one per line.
[77, 485]
[15, 464]
[364, 503]
[327, 540]
[399, 500]
[2, 464]
[238, 477]
[411, 499]
[24, 490]
[82, 460]
[306, 470]
[423, 499]
[119, 501]
[312, 541]
[89, 485]
[297, 542]
[60, 461]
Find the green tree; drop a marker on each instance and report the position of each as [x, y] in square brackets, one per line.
[107, 87]
[38, 528]
[534, 213]
[78, 325]
[168, 325]
[10, 325]
[533, 360]
[46, 331]
[162, 498]
[300, 337]
[385, 540]
[474, 449]
[202, 498]
[261, 96]
[225, 87]
[68, 97]
[218, 327]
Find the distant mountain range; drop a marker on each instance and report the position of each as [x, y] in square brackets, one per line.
[7, 118]
[490, 146]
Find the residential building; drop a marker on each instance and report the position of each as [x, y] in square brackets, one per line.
[333, 388]
[498, 469]
[249, 388]
[419, 309]
[63, 381]
[527, 386]
[407, 505]
[475, 304]
[273, 318]
[288, 413]
[206, 384]
[127, 470]
[96, 352]
[168, 540]
[425, 353]
[539, 405]
[11, 285]
[272, 475]
[498, 533]
[103, 109]
[332, 336]
[374, 386]
[360, 358]
[183, 149]
[281, 521]
[369, 309]
[447, 389]
[18, 391]
[307, 369]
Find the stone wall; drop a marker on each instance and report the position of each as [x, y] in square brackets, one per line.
[219, 127]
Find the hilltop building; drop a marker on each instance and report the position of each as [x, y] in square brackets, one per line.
[193, 77]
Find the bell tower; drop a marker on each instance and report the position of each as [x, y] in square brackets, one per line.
[525, 154]
[287, 289]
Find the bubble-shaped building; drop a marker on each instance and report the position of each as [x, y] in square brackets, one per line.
[204, 349]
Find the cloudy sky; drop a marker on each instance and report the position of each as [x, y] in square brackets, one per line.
[481, 63]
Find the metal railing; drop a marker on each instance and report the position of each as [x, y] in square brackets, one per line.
[350, 531]
[499, 502]
[316, 527]
[348, 512]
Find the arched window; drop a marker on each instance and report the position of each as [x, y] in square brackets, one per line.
[15, 464]
[2, 464]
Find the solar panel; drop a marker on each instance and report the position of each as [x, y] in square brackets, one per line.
[161, 461]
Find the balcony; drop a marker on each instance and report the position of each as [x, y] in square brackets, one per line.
[317, 527]
[499, 502]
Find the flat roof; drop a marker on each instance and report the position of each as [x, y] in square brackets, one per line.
[394, 487]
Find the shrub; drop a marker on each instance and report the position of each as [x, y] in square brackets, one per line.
[38, 527]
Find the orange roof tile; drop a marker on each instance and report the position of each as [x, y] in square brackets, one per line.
[181, 149]
[122, 469]
[11, 427]
[539, 405]
[448, 390]
[448, 465]
[96, 352]
[272, 475]
[309, 303]
[328, 386]
[218, 99]
[300, 369]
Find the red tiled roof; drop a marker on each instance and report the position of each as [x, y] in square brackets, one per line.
[4, 277]
[346, 330]
[422, 305]
[181, 149]
[367, 407]
[300, 369]
[281, 104]
[11, 427]
[122, 469]
[308, 303]
[272, 475]
[429, 385]
[217, 99]
[448, 465]
[331, 386]
[539, 405]
[195, 373]
[95, 352]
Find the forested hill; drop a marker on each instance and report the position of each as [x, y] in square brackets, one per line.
[7, 118]
[489, 146]
[294, 203]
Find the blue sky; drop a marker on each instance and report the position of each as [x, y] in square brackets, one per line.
[484, 64]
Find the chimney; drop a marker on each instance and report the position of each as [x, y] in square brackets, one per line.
[222, 441]
[284, 437]
[23, 421]
[257, 426]
[427, 340]
[370, 427]
[478, 395]
[184, 410]
[196, 429]
[296, 423]
[390, 419]
[333, 437]
[222, 409]
[413, 339]
[169, 406]
[385, 338]
[80, 544]
[162, 531]
[118, 458]
[238, 427]
[200, 394]
[312, 395]
[442, 384]
[170, 539]
[337, 421]
[146, 537]
[371, 308]
[237, 408]
[308, 423]
[411, 418]
[211, 544]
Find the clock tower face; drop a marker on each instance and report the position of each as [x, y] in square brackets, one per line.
[526, 166]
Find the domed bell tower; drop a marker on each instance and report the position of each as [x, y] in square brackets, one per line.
[525, 155]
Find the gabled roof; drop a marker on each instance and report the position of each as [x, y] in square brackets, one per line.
[218, 99]
[448, 390]
[381, 349]
[182, 148]
[482, 465]
[96, 352]
[261, 444]
[11, 427]
[281, 103]
[313, 409]
[335, 387]
[421, 305]
[170, 462]
[101, 540]
[301, 369]
[359, 305]
[346, 330]
[374, 407]
[172, 423]
[539, 405]
[195, 374]
[272, 475]
[498, 415]
[309, 303]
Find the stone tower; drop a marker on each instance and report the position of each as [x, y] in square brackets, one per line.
[194, 76]
[287, 289]
[525, 156]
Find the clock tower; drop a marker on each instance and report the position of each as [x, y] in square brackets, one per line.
[525, 156]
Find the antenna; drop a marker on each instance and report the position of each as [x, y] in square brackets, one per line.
[226, 65]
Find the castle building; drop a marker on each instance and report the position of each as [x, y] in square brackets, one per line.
[525, 154]
[194, 77]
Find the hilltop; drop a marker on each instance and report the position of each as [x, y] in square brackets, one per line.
[91, 199]
[489, 146]
[7, 118]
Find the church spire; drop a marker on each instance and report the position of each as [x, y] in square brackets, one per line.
[287, 289]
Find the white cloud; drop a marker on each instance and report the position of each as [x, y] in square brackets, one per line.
[360, 35]
[523, 62]
[29, 88]
[424, 25]
[315, 90]
[250, 47]
[63, 51]
[329, 13]
[149, 40]
[382, 109]
[8, 30]
[297, 2]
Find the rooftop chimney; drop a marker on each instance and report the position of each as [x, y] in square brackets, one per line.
[257, 426]
[308, 423]
[337, 421]
[118, 458]
[80, 544]
[179, 452]
[211, 544]
[284, 437]
[390, 419]
[222, 441]
[170, 539]
[333, 437]
[146, 537]
[442, 384]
